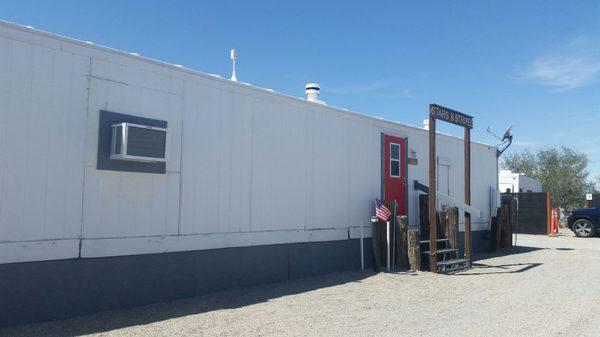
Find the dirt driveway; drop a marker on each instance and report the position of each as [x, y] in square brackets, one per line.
[547, 287]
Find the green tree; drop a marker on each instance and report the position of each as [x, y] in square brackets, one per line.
[562, 171]
[523, 162]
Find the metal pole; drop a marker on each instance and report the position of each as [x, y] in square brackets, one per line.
[517, 224]
[394, 224]
[432, 201]
[388, 245]
[468, 246]
[362, 249]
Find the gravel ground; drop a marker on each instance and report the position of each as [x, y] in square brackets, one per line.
[548, 288]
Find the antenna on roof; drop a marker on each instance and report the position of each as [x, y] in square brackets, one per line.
[506, 139]
[233, 56]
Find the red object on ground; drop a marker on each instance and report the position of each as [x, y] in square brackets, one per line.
[548, 214]
[554, 222]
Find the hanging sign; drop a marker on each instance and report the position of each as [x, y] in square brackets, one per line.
[450, 116]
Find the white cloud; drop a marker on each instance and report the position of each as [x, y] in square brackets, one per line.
[576, 65]
[591, 151]
[564, 73]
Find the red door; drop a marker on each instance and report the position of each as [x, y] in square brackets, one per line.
[394, 163]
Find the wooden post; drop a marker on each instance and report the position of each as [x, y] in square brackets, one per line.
[495, 227]
[432, 201]
[466, 121]
[452, 226]
[401, 242]
[514, 219]
[468, 247]
[375, 244]
[506, 227]
[499, 225]
[414, 253]
[441, 223]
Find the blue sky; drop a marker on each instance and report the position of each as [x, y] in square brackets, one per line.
[535, 64]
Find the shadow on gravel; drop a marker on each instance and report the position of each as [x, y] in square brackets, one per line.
[488, 269]
[480, 268]
[230, 299]
[508, 251]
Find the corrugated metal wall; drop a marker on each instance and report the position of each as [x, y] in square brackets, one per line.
[245, 166]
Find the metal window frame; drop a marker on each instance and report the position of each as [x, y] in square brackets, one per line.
[123, 151]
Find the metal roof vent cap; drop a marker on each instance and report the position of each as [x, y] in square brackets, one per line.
[312, 92]
[426, 124]
[233, 56]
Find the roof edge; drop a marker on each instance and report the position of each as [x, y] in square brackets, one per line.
[30, 29]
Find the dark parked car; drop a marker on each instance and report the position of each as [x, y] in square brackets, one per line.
[585, 222]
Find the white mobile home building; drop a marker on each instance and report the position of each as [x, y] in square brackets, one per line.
[517, 183]
[255, 186]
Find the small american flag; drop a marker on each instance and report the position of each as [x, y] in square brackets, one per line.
[381, 211]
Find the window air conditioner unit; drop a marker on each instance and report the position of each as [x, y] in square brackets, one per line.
[141, 143]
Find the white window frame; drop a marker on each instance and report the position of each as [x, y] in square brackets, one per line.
[123, 155]
[398, 160]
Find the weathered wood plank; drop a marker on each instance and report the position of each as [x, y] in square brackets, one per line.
[401, 242]
[414, 251]
[376, 246]
[452, 226]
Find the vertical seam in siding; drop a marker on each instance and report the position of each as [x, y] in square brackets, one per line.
[406, 182]
[309, 166]
[349, 130]
[251, 194]
[308, 120]
[183, 105]
[87, 115]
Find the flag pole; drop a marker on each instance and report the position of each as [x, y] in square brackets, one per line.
[394, 233]
[388, 245]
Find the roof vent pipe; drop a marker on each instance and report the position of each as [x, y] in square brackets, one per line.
[233, 56]
[312, 92]
[426, 124]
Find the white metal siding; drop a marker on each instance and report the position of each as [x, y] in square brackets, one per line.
[244, 166]
[518, 182]
[217, 167]
[42, 131]
[118, 204]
